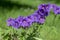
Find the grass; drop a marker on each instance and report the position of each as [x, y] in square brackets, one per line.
[50, 30]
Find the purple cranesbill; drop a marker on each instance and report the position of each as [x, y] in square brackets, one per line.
[25, 23]
[35, 17]
[19, 20]
[42, 12]
[15, 24]
[56, 9]
[41, 20]
[10, 21]
[46, 7]
[30, 19]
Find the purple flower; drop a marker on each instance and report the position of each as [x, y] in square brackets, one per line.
[41, 20]
[35, 17]
[19, 20]
[25, 23]
[30, 19]
[42, 12]
[10, 21]
[15, 24]
[56, 9]
[46, 7]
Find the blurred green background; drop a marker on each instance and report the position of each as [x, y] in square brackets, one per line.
[50, 30]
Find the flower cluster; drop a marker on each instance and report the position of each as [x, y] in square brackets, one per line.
[38, 16]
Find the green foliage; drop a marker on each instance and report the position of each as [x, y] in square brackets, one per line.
[50, 30]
